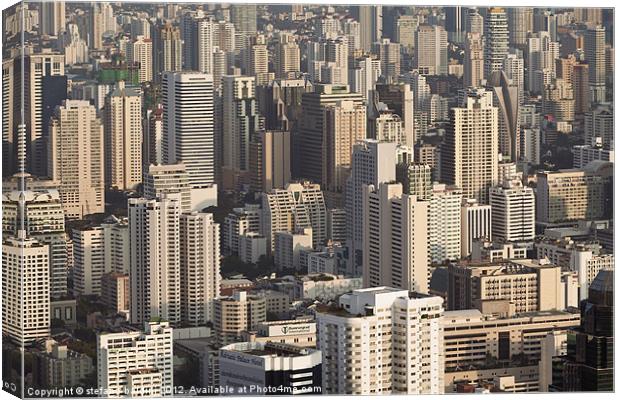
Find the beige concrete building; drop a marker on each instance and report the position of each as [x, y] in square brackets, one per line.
[395, 238]
[287, 59]
[472, 339]
[270, 160]
[141, 52]
[123, 137]
[75, 158]
[115, 291]
[469, 154]
[345, 125]
[473, 64]
[300, 205]
[387, 341]
[235, 314]
[431, 50]
[313, 129]
[572, 194]
[171, 180]
[505, 287]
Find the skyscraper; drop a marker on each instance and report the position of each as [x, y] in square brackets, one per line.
[312, 126]
[469, 154]
[372, 163]
[189, 135]
[123, 137]
[473, 62]
[75, 158]
[51, 18]
[590, 353]
[241, 122]
[200, 267]
[594, 47]
[506, 99]
[395, 238]
[431, 50]
[155, 265]
[23, 76]
[141, 52]
[367, 320]
[496, 39]
[520, 24]
[345, 125]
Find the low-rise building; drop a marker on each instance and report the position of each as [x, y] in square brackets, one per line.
[270, 368]
[299, 332]
[59, 367]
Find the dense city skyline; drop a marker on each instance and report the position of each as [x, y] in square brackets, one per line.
[217, 199]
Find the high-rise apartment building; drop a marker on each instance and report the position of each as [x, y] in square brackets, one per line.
[431, 50]
[44, 220]
[25, 289]
[372, 163]
[298, 206]
[140, 52]
[513, 212]
[200, 267]
[88, 260]
[389, 55]
[400, 99]
[75, 158]
[496, 39]
[171, 180]
[444, 223]
[520, 24]
[344, 125]
[469, 154]
[236, 314]
[123, 137]
[136, 363]
[167, 50]
[473, 62]
[52, 18]
[599, 127]
[155, 265]
[395, 238]
[313, 131]
[594, 46]
[387, 355]
[270, 160]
